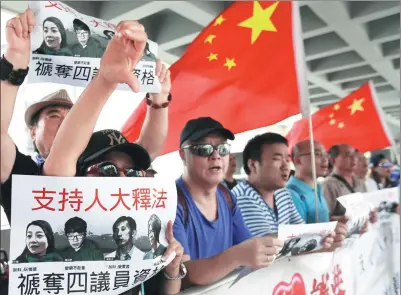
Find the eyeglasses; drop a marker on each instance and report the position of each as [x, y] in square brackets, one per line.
[206, 150]
[76, 236]
[385, 165]
[317, 155]
[107, 169]
[82, 33]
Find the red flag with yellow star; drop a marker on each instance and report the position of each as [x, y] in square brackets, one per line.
[245, 69]
[357, 120]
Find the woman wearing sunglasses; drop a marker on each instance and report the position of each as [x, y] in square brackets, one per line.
[381, 168]
[76, 151]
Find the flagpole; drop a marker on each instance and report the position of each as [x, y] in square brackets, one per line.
[303, 90]
[313, 160]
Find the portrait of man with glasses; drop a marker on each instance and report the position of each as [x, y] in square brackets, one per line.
[87, 45]
[80, 248]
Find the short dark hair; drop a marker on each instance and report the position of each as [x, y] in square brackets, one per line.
[334, 151]
[253, 149]
[156, 225]
[75, 225]
[131, 222]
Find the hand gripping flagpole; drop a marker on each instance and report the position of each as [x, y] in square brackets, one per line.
[313, 160]
[303, 91]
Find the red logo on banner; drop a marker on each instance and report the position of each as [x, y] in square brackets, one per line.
[295, 287]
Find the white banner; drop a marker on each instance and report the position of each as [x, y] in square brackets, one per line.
[67, 47]
[80, 235]
[365, 265]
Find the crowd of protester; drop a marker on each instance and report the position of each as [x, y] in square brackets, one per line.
[221, 223]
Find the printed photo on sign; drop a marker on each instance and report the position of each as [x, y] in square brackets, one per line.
[358, 211]
[67, 47]
[89, 226]
[303, 238]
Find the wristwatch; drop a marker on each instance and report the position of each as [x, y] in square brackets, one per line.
[157, 106]
[183, 273]
[8, 74]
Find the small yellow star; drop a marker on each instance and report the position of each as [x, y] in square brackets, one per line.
[336, 106]
[260, 20]
[219, 20]
[332, 121]
[341, 125]
[331, 115]
[209, 39]
[230, 63]
[356, 106]
[212, 56]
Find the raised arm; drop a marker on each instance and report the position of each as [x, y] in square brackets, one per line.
[155, 127]
[117, 64]
[18, 31]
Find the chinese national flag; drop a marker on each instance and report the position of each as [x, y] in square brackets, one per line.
[357, 120]
[240, 70]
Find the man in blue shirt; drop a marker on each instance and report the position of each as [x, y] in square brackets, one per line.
[209, 224]
[301, 185]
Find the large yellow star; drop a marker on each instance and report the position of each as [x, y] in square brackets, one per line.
[209, 39]
[356, 105]
[230, 63]
[212, 56]
[260, 20]
[219, 20]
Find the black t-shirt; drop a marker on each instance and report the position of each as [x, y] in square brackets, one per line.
[23, 165]
[230, 184]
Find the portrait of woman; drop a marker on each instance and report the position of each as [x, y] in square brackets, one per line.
[147, 54]
[39, 241]
[154, 228]
[54, 38]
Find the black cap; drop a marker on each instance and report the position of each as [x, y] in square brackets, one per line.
[77, 23]
[108, 140]
[198, 128]
[375, 160]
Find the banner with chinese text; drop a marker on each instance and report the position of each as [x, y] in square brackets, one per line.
[88, 235]
[366, 264]
[67, 46]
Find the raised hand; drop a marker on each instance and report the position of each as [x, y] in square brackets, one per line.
[18, 30]
[123, 53]
[173, 269]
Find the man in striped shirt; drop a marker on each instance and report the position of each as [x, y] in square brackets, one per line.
[263, 199]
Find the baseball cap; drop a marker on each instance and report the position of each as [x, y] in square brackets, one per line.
[104, 141]
[60, 97]
[375, 160]
[196, 129]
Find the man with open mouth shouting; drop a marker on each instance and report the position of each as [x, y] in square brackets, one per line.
[208, 223]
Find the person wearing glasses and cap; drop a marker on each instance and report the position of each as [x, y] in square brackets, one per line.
[80, 248]
[381, 168]
[209, 224]
[87, 46]
[78, 151]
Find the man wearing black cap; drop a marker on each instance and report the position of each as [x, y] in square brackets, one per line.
[209, 224]
[87, 46]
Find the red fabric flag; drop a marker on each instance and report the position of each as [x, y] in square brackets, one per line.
[357, 120]
[244, 70]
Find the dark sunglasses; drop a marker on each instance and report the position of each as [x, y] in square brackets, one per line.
[206, 150]
[107, 169]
